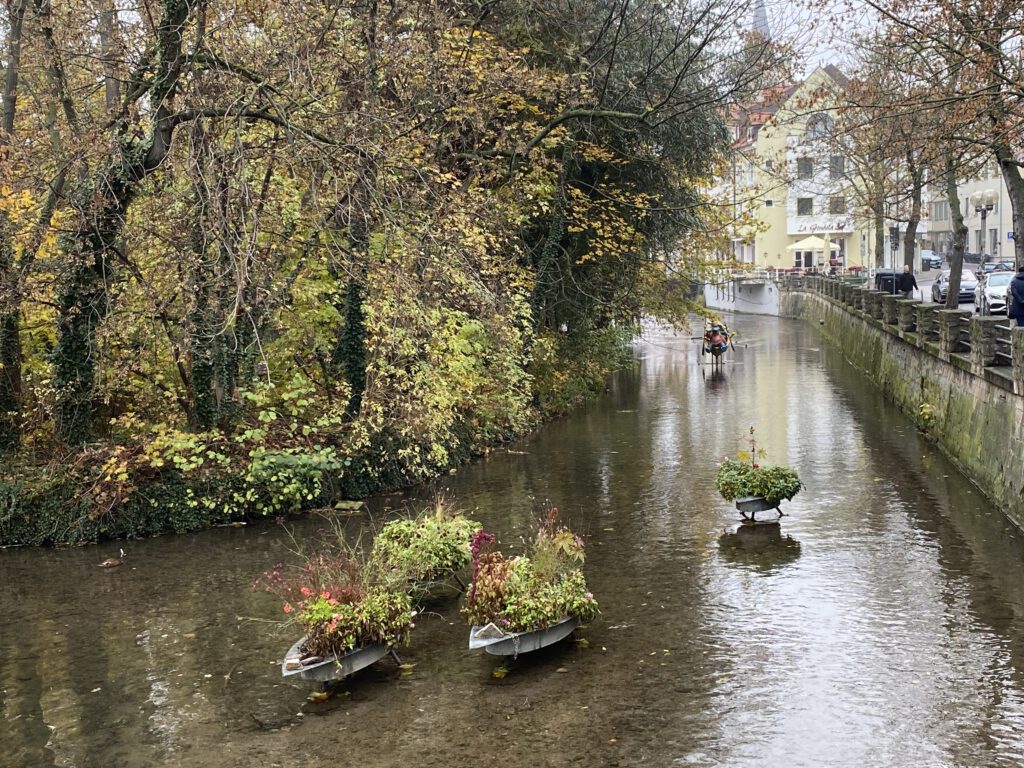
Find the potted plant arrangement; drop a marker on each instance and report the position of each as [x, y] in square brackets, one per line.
[424, 550]
[755, 487]
[520, 604]
[349, 620]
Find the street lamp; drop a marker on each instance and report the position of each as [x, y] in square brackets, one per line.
[983, 202]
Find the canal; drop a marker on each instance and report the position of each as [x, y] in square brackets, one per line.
[882, 625]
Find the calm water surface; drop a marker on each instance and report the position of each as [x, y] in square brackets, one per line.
[883, 625]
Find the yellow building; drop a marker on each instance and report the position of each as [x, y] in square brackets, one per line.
[789, 187]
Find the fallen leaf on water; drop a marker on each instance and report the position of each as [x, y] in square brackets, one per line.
[95, 690]
[613, 742]
[561, 669]
[583, 642]
[407, 669]
[499, 672]
[319, 696]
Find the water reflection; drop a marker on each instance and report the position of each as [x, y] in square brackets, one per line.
[762, 548]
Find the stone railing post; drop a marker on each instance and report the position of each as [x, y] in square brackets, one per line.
[1017, 356]
[906, 315]
[950, 321]
[856, 297]
[859, 299]
[926, 322]
[873, 304]
[983, 343]
[889, 308]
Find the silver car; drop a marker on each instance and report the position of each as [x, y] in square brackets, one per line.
[968, 282]
[990, 295]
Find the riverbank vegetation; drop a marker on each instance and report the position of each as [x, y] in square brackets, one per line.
[258, 256]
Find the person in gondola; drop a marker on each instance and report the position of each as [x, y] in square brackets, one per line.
[716, 338]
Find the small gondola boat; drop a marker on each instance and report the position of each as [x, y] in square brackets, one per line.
[332, 667]
[749, 506]
[500, 643]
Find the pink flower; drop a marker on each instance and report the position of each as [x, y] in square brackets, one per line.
[325, 595]
[589, 596]
[287, 608]
[306, 591]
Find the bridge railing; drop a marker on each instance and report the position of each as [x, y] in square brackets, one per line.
[989, 347]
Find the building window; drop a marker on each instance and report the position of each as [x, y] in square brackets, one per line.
[837, 167]
[804, 168]
[940, 210]
[993, 237]
[819, 127]
[804, 206]
[837, 205]
[769, 203]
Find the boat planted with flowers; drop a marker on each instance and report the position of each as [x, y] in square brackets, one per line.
[323, 669]
[500, 643]
[520, 604]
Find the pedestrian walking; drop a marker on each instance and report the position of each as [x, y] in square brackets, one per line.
[906, 282]
[1015, 308]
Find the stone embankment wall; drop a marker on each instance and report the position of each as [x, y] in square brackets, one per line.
[959, 376]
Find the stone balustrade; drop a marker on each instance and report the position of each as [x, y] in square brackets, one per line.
[977, 344]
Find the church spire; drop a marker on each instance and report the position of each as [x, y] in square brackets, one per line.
[761, 20]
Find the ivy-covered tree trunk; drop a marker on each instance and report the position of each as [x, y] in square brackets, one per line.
[10, 305]
[552, 264]
[349, 356]
[10, 347]
[101, 205]
[82, 300]
[203, 410]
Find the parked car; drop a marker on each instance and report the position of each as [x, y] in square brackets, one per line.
[990, 294]
[932, 259]
[968, 282]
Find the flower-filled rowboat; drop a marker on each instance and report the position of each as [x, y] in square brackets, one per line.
[520, 604]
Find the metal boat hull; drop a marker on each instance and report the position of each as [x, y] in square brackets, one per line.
[333, 667]
[515, 643]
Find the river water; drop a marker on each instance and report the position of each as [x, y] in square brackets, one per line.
[881, 625]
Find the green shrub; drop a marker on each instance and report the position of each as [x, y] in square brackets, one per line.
[429, 546]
